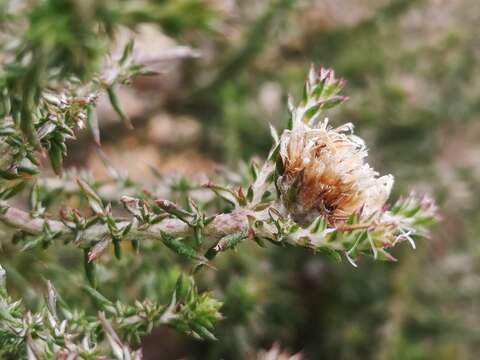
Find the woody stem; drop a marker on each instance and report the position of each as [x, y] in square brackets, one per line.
[222, 225]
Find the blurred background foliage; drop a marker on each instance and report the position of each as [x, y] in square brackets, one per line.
[414, 84]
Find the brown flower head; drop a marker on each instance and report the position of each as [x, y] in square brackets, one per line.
[324, 168]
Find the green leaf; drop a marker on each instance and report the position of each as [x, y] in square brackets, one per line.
[319, 224]
[97, 296]
[7, 175]
[253, 168]
[112, 95]
[117, 247]
[127, 51]
[92, 122]
[55, 153]
[12, 191]
[175, 210]
[312, 111]
[331, 253]
[230, 241]
[90, 269]
[94, 200]
[332, 102]
[27, 126]
[180, 247]
[136, 246]
[384, 255]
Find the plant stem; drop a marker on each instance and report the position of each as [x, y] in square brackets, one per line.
[222, 225]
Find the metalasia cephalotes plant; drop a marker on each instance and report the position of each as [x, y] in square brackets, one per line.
[315, 190]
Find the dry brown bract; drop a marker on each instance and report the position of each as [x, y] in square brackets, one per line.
[325, 173]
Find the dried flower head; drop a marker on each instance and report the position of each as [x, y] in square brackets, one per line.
[324, 168]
